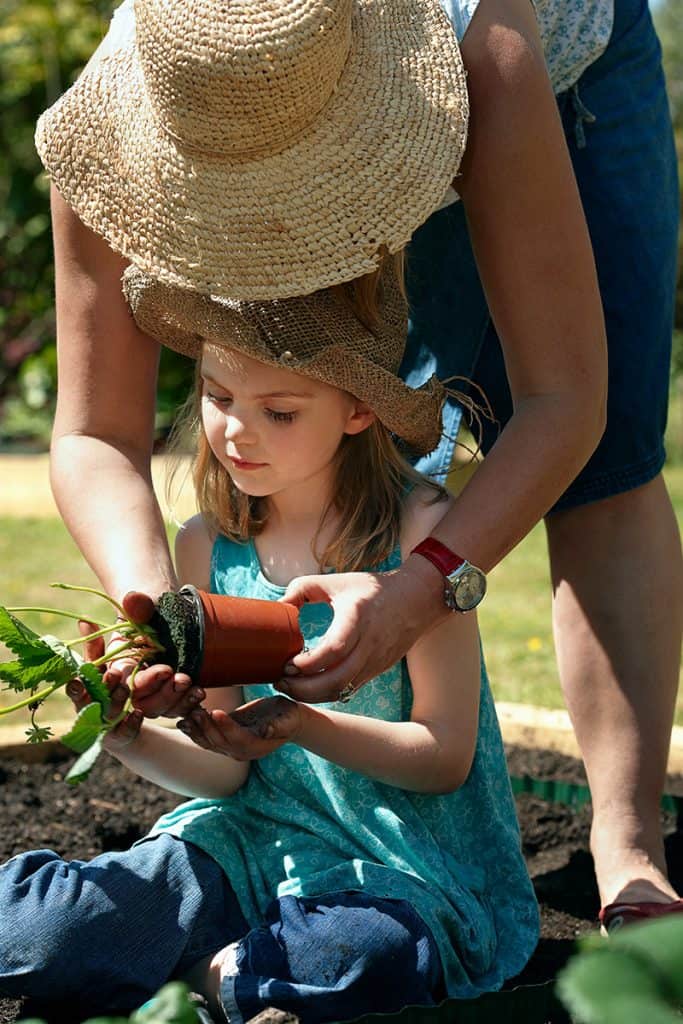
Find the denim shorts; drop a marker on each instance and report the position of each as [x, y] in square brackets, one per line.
[618, 130]
[106, 934]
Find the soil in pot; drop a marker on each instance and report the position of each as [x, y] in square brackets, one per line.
[114, 808]
[221, 641]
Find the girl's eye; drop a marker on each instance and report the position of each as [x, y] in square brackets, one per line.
[218, 399]
[280, 417]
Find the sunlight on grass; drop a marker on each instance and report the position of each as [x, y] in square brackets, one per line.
[515, 620]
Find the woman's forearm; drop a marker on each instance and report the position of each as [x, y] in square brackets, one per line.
[106, 499]
[171, 760]
[418, 756]
[538, 454]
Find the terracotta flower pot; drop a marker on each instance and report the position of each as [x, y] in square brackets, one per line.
[226, 641]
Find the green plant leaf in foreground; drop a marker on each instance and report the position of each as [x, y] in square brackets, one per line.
[82, 767]
[21, 676]
[171, 1005]
[85, 730]
[635, 976]
[15, 635]
[91, 677]
[40, 659]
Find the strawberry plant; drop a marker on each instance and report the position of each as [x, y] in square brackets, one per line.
[45, 664]
[636, 975]
[173, 1004]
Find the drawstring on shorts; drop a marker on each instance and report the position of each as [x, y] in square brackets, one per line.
[583, 114]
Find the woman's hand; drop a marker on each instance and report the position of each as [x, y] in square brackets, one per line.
[377, 618]
[129, 727]
[250, 732]
[158, 691]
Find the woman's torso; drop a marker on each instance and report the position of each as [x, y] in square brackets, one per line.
[304, 826]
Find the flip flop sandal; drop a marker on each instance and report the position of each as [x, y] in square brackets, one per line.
[616, 915]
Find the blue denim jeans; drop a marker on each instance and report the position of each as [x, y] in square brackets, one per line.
[106, 934]
[618, 132]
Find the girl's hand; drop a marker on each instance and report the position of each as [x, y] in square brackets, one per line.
[250, 732]
[377, 619]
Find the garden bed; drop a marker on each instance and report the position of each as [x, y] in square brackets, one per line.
[114, 808]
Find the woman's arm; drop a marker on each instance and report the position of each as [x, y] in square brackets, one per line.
[103, 430]
[537, 268]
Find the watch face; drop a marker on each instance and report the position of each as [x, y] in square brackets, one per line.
[469, 589]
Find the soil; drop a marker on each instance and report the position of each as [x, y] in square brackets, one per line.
[114, 808]
[176, 623]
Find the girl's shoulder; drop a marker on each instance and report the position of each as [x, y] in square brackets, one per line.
[423, 508]
[193, 547]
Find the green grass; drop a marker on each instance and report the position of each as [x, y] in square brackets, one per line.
[515, 618]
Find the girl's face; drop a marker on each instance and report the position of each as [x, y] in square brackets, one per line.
[273, 429]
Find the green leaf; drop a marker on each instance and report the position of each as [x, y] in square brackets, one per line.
[15, 635]
[69, 657]
[588, 984]
[171, 1005]
[660, 943]
[91, 677]
[21, 676]
[38, 734]
[81, 769]
[41, 659]
[85, 730]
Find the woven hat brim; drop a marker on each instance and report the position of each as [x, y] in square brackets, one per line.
[374, 165]
[184, 321]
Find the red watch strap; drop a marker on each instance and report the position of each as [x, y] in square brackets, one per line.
[445, 560]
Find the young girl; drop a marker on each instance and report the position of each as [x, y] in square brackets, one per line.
[340, 859]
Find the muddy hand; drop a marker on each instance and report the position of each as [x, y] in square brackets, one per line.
[377, 618]
[250, 732]
[158, 691]
[129, 727]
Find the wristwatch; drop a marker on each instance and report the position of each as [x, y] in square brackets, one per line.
[465, 583]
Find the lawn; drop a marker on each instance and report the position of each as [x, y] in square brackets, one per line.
[515, 617]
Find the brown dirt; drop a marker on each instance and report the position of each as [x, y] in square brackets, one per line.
[114, 808]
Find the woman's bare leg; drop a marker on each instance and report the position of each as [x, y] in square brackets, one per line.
[617, 578]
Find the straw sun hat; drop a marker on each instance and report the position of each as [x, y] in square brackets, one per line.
[316, 335]
[261, 149]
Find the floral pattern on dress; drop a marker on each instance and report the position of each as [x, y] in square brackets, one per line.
[574, 33]
[304, 826]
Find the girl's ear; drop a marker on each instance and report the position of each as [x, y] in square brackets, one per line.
[360, 418]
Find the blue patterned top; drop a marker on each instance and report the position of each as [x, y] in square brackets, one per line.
[301, 825]
[574, 33]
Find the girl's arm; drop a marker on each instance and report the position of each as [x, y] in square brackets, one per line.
[166, 756]
[536, 264]
[432, 753]
[104, 424]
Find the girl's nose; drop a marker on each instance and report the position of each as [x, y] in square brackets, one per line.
[236, 428]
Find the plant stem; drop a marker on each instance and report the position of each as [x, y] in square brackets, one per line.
[31, 699]
[57, 611]
[110, 655]
[93, 636]
[93, 590]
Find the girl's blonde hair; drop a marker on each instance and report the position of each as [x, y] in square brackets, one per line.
[371, 478]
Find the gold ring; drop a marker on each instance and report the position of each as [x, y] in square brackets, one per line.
[346, 693]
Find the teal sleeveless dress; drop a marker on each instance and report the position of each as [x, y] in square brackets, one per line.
[303, 826]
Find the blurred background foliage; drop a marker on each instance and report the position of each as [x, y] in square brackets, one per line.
[43, 46]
